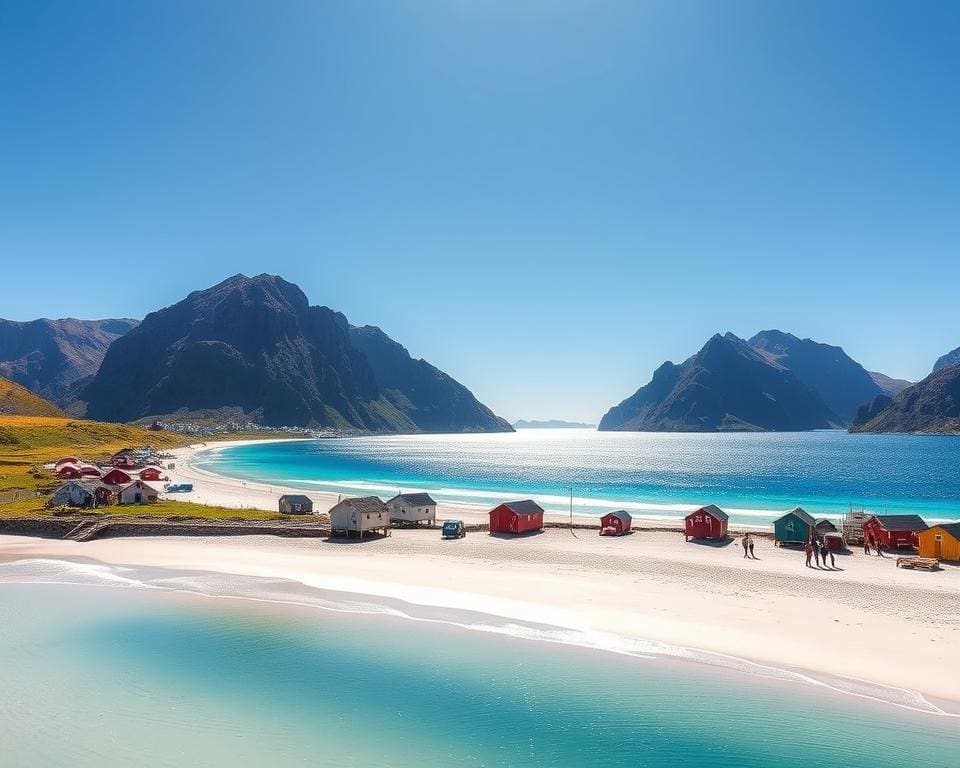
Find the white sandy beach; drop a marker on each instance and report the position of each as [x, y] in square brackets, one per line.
[210, 488]
[869, 621]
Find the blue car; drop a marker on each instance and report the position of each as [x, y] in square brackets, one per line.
[179, 487]
[453, 529]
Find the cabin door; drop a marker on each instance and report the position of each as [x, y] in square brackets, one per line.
[938, 546]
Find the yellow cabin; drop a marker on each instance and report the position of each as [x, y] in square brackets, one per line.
[940, 541]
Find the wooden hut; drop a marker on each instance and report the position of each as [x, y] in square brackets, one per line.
[82, 493]
[68, 472]
[709, 522]
[67, 460]
[940, 541]
[616, 523]
[295, 504]
[516, 517]
[413, 509]
[795, 527]
[150, 473]
[360, 515]
[88, 470]
[895, 531]
[138, 492]
[116, 477]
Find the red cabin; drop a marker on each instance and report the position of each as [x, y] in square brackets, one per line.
[88, 470]
[67, 460]
[150, 473]
[68, 472]
[708, 522]
[516, 517]
[894, 531]
[615, 523]
[123, 461]
[116, 477]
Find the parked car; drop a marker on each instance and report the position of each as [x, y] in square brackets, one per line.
[453, 529]
[179, 487]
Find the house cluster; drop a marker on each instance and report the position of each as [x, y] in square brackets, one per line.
[130, 477]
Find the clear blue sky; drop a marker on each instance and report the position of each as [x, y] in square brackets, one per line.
[545, 199]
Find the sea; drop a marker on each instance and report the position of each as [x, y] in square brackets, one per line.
[755, 477]
[105, 666]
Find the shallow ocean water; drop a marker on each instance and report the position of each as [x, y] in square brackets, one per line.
[117, 676]
[754, 476]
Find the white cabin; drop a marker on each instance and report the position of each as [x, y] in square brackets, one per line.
[415, 508]
[138, 492]
[359, 515]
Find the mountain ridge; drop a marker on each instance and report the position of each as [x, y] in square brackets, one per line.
[257, 345]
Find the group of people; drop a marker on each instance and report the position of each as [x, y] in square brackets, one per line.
[869, 543]
[817, 551]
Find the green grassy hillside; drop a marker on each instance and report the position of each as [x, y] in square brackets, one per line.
[20, 401]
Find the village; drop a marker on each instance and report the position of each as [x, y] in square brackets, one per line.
[139, 476]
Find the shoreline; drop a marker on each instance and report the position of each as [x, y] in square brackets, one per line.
[643, 591]
[223, 491]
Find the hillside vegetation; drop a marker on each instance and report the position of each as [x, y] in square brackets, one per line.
[19, 401]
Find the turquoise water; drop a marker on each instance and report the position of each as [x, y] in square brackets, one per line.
[754, 476]
[104, 677]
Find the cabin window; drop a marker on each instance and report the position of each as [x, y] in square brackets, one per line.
[698, 519]
[937, 537]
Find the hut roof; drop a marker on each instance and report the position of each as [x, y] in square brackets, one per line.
[296, 498]
[802, 514]
[523, 507]
[414, 499]
[952, 528]
[901, 522]
[621, 514]
[713, 510]
[824, 523]
[366, 503]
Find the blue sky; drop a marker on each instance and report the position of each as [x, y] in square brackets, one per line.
[545, 199]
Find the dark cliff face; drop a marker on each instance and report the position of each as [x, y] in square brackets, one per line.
[951, 358]
[50, 357]
[931, 406]
[842, 382]
[434, 401]
[726, 386]
[253, 344]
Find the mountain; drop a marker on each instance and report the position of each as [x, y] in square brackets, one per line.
[551, 424]
[50, 357]
[931, 406]
[842, 382]
[16, 400]
[727, 386]
[951, 358]
[889, 385]
[255, 346]
[426, 395]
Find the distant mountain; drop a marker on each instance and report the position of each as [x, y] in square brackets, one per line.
[951, 358]
[842, 382]
[931, 406]
[255, 346]
[49, 357]
[16, 400]
[890, 386]
[727, 386]
[551, 424]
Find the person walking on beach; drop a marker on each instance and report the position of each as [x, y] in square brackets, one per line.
[750, 543]
[815, 546]
[825, 552]
[744, 543]
[866, 544]
[808, 551]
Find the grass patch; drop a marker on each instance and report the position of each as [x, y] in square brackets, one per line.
[163, 509]
[29, 442]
